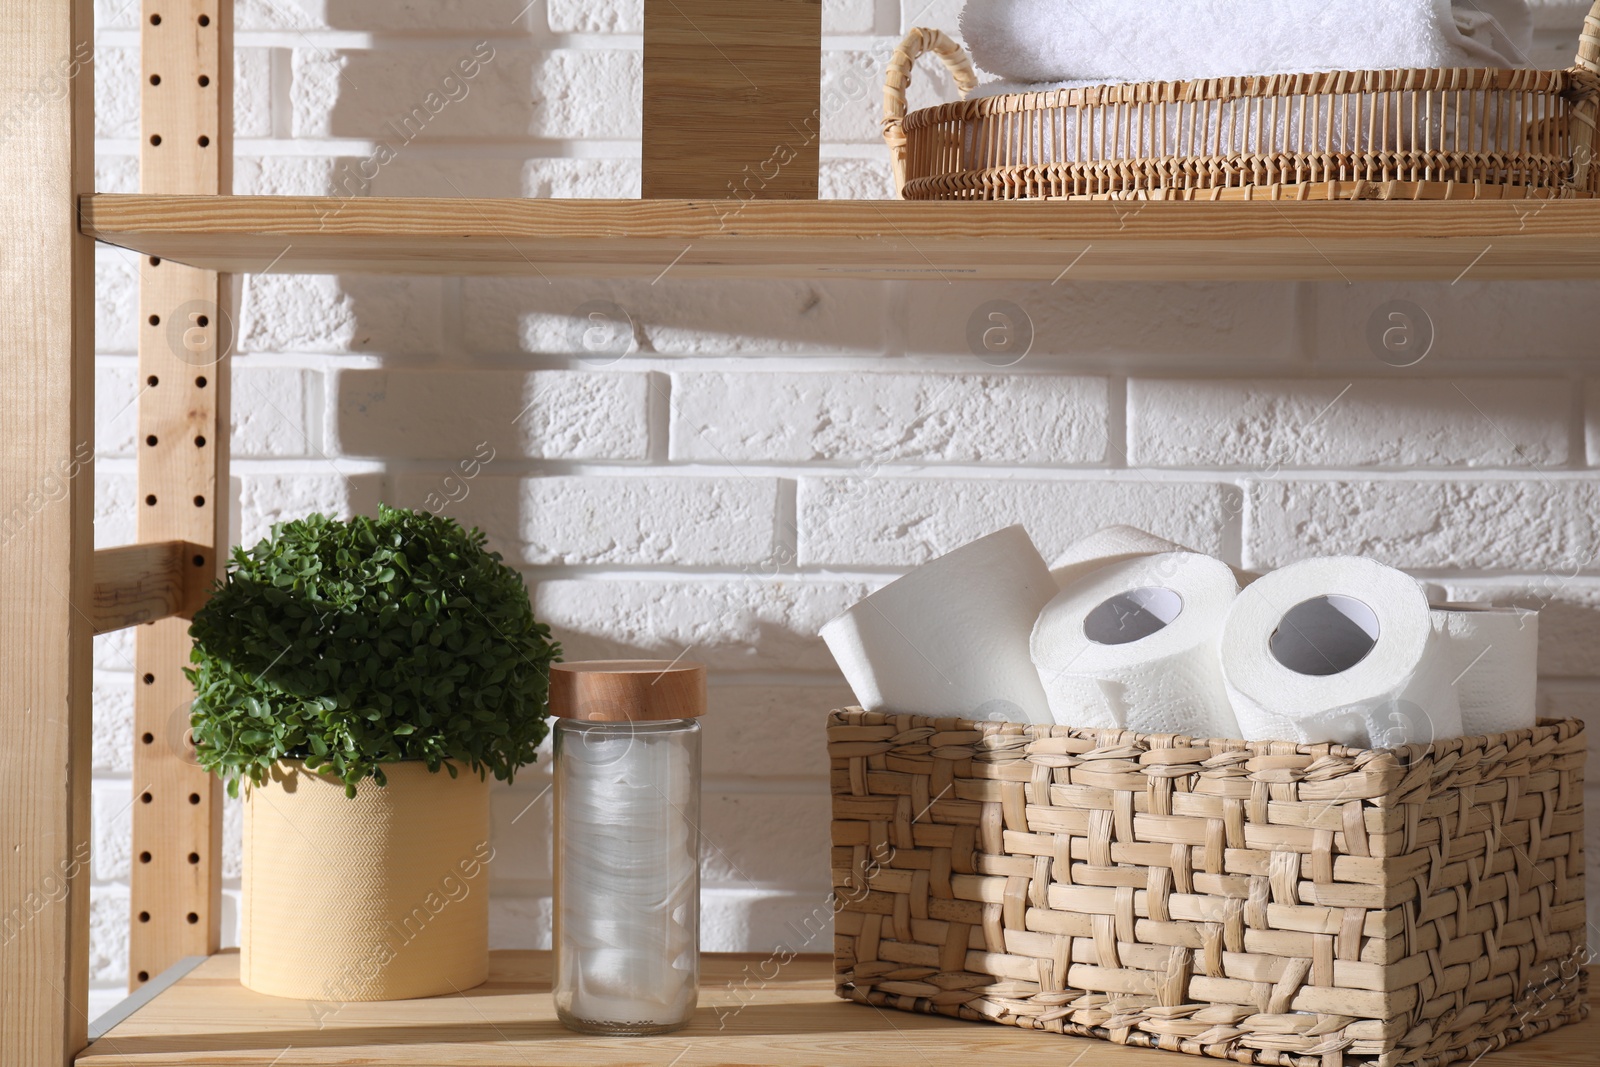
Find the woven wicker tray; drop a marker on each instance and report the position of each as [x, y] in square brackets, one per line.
[1384, 134]
[1270, 903]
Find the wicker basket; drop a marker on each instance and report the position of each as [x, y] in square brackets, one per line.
[1388, 134]
[1268, 903]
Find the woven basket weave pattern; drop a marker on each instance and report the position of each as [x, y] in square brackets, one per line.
[1310, 906]
[1393, 134]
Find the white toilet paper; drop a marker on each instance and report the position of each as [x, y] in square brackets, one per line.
[1134, 644]
[1495, 656]
[1340, 649]
[1113, 545]
[951, 637]
[1105, 547]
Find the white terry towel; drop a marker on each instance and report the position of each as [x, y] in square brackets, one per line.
[1096, 42]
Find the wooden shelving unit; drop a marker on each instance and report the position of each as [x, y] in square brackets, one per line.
[1012, 241]
[791, 1020]
[56, 592]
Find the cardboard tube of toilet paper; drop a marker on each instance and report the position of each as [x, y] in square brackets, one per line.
[1341, 649]
[1134, 644]
[951, 637]
[1113, 545]
[1495, 654]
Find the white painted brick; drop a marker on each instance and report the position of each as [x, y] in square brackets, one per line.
[1525, 525]
[901, 522]
[768, 922]
[651, 521]
[116, 300]
[1472, 320]
[675, 318]
[768, 731]
[1577, 702]
[232, 838]
[284, 176]
[113, 718]
[1269, 423]
[1234, 321]
[115, 15]
[852, 92]
[939, 14]
[115, 517]
[108, 933]
[522, 923]
[855, 179]
[265, 499]
[849, 16]
[273, 412]
[612, 521]
[116, 93]
[116, 416]
[461, 16]
[349, 313]
[1569, 617]
[520, 831]
[114, 651]
[400, 95]
[446, 415]
[596, 16]
[587, 95]
[252, 92]
[758, 840]
[888, 418]
[752, 624]
[582, 179]
[115, 174]
[112, 821]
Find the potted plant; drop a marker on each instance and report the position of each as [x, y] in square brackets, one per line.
[362, 679]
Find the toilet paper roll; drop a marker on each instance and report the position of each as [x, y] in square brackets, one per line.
[1135, 644]
[1105, 547]
[1113, 545]
[1495, 655]
[951, 637]
[1340, 649]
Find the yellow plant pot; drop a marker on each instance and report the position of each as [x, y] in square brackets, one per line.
[380, 897]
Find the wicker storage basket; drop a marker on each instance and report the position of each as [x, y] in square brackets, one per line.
[1384, 134]
[1309, 905]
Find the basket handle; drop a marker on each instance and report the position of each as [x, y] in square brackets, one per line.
[1586, 112]
[918, 43]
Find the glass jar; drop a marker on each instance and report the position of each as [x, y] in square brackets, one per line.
[627, 844]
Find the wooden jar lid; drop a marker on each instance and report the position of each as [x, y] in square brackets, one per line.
[628, 691]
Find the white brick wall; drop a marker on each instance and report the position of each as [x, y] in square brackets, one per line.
[763, 453]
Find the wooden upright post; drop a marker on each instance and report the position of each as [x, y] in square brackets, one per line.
[184, 346]
[732, 99]
[46, 526]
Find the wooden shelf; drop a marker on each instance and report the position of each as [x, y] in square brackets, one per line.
[1019, 241]
[206, 1017]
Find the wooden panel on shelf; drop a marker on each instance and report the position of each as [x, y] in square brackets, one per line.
[187, 148]
[732, 99]
[1022, 240]
[47, 492]
[765, 1009]
[136, 584]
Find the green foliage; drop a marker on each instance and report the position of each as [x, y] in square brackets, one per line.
[350, 645]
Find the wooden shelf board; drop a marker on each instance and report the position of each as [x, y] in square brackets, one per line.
[1018, 241]
[206, 1017]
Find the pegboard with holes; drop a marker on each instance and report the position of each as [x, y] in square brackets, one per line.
[184, 346]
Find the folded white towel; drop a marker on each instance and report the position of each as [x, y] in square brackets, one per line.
[1092, 42]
